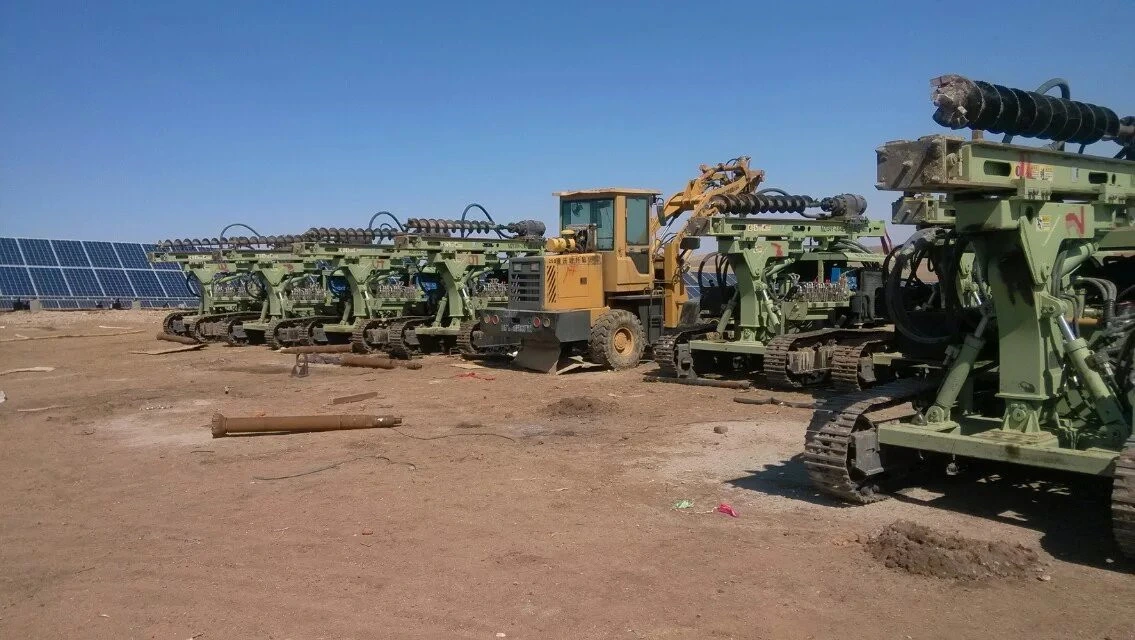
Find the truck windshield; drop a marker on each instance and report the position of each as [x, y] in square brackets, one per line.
[600, 213]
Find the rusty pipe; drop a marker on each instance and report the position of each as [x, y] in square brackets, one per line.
[318, 348]
[378, 362]
[701, 382]
[223, 426]
[170, 337]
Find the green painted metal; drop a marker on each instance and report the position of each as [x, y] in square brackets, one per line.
[768, 256]
[381, 280]
[975, 437]
[339, 282]
[1041, 223]
[472, 270]
[222, 288]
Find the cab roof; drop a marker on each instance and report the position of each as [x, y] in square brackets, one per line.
[607, 191]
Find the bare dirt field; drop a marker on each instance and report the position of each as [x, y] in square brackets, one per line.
[509, 504]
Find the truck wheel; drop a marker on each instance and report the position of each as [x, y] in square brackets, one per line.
[617, 340]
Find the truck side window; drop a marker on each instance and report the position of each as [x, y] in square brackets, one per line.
[600, 213]
[637, 211]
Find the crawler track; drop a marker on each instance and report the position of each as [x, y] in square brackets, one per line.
[1123, 501]
[847, 370]
[665, 349]
[829, 447]
[400, 343]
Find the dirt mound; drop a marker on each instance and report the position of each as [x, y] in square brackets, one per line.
[923, 551]
[579, 407]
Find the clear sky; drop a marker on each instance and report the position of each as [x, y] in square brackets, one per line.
[146, 120]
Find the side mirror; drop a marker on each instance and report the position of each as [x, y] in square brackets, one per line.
[690, 244]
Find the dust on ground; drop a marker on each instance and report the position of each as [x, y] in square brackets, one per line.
[923, 551]
[580, 406]
[486, 512]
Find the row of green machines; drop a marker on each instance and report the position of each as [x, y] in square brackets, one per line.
[1001, 331]
[1007, 334]
[401, 288]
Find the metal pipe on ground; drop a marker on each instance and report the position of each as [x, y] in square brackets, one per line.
[223, 426]
[318, 348]
[377, 362]
[797, 404]
[702, 382]
[169, 337]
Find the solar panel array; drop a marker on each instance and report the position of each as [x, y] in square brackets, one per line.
[693, 287]
[83, 274]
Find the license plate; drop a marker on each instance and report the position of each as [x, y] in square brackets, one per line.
[520, 328]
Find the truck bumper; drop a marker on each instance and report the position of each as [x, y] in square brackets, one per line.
[522, 326]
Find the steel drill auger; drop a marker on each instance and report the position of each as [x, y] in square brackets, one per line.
[847, 204]
[965, 103]
[523, 228]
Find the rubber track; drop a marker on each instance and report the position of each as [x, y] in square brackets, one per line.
[1123, 501]
[776, 352]
[465, 338]
[231, 339]
[228, 318]
[665, 349]
[828, 440]
[358, 336]
[665, 355]
[167, 322]
[465, 345]
[845, 365]
[270, 334]
[397, 346]
[775, 362]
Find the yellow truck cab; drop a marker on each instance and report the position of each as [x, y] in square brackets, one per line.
[593, 291]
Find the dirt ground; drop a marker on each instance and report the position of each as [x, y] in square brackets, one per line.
[497, 510]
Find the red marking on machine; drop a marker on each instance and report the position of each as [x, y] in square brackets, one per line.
[778, 250]
[1075, 220]
[1025, 166]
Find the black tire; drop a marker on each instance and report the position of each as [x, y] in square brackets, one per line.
[617, 340]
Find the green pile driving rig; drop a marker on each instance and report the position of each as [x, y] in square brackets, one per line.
[1045, 377]
[805, 307]
[402, 289]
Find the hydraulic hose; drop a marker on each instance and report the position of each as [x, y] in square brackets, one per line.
[239, 224]
[474, 205]
[910, 255]
[397, 223]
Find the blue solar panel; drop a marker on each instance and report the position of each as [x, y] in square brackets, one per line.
[114, 283]
[131, 255]
[83, 282]
[174, 284]
[10, 252]
[38, 252]
[73, 274]
[70, 253]
[14, 281]
[145, 284]
[102, 254]
[48, 281]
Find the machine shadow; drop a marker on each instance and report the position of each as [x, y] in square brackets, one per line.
[787, 479]
[1071, 512]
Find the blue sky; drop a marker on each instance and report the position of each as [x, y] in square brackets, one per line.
[141, 121]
